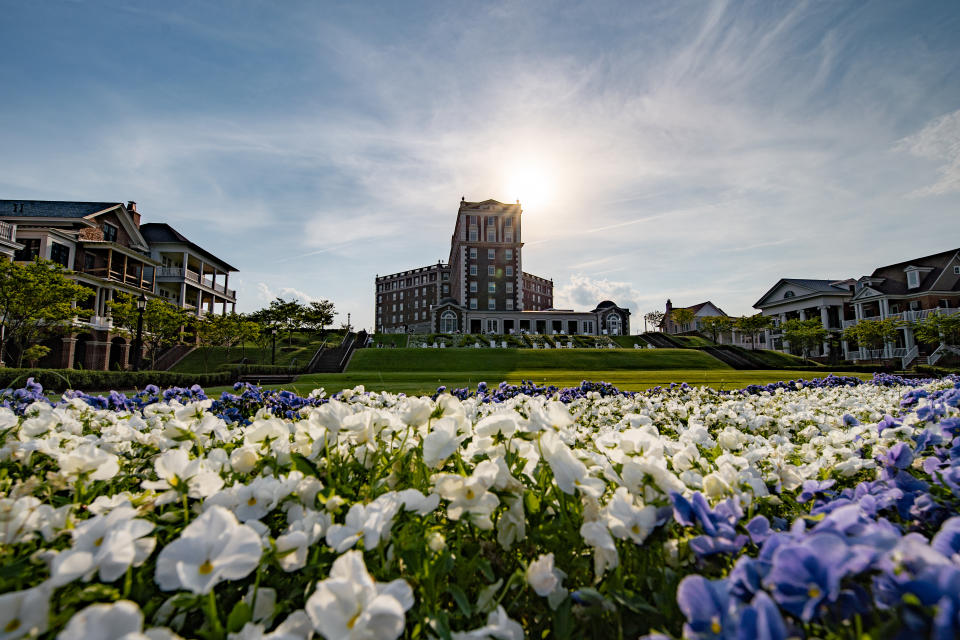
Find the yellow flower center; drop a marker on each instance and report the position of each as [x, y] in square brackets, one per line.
[12, 626]
[352, 621]
[636, 529]
[813, 591]
[98, 541]
[252, 501]
[205, 568]
[470, 495]
[173, 481]
[715, 626]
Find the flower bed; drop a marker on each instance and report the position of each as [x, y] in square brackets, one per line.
[823, 508]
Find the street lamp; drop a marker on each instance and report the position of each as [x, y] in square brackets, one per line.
[273, 336]
[138, 343]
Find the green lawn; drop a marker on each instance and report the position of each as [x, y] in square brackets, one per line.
[775, 359]
[298, 351]
[508, 361]
[426, 382]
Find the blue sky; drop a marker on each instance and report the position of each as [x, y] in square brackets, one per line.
[688, 150]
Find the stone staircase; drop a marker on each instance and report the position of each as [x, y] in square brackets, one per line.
[169, 358]
[661, 340]
[336, 359]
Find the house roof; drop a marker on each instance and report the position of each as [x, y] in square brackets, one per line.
[53, 208]
[813, 287]
[163, 233]
[892, 280]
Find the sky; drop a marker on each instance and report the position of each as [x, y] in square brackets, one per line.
[679, 149]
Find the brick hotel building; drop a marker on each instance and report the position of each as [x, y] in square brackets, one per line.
[482, 288]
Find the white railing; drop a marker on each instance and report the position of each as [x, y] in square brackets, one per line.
[909, 356]
[7, 231]
[938, 353]
[170, 272]
[101, 321]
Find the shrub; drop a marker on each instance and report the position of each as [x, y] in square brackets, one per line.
[62, 379]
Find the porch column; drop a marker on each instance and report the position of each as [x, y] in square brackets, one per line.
[884, 308]
[803, 314]
[785, 344]
[825, 321]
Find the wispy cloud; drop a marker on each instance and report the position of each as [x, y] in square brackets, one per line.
[938, 141]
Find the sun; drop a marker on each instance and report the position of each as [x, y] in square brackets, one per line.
[531, 185]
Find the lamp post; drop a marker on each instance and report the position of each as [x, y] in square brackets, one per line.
[138, 343]
[273, 336]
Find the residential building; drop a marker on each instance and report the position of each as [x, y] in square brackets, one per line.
[182, 276]
[105, 247]
[700, 311]
[804, 298]
[908, 291]
[482, 288]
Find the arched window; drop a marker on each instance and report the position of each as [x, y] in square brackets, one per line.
[448, 322]
[613, 324]
[788, 294]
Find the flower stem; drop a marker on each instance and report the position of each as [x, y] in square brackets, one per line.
[211, 611]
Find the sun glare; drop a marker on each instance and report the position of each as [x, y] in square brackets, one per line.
[531, 185]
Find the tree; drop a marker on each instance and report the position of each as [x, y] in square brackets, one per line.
[682, 317]
[163, 323]
[318, 314]
[805, 334]
[247, 331]
[715, 325]
[753, 326]
[286, 316]
[37, 300]
[936, 327]
[872, 334]
[217, 331]
[654, 318]
[34, 353]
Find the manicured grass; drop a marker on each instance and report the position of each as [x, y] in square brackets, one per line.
[426, 382]
[692, 342]
[627, 342]
[775, 359]
[397, 340]
[509, 361]
[299, 351]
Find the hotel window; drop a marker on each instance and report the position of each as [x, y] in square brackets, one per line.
[509, 287]
[491, 254]
[491, 234]
[473, 269]
[394, 308]
[509, 270]
[492, 287]
[445, 277]
[508, 237]
[31, 249]
[473, 234]
[509, 222]
[109, 232]
[491, 304]
[446, 288]
[493, 326]
[473, 303]
[473, 253]
[509, 305]
[379, 298]
[491, 221]
[401, 306]
[473, 286]
[490, 270]
[943, 303]
[509, 254]
[60, 254]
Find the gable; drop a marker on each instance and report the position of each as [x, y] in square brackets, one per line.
[120, 217]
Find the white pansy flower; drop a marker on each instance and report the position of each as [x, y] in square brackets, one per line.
[499, 627]
[89, 461]
[212, 548]
[441, 442]
[24, 612]
[350, 605]
[109, 544]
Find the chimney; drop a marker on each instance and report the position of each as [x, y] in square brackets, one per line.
[668, 318]
[132, 208]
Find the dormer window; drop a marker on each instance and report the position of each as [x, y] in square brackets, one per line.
[913, 279]
[788, 294]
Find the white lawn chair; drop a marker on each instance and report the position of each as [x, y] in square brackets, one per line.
[493, 344]
[503, 344]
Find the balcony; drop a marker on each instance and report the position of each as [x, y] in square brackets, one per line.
[133, 280]
[7, 231]
[178, 273]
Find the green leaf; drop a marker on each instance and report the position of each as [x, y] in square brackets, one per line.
[301, 463]
[239, 616]
[461, 599]
[531, 502]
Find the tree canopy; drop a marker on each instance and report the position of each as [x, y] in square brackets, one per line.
[804, 334]
[753, 326]
[715, 325]
[37, 300]
[872, 334]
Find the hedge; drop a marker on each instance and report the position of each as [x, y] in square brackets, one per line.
[253, 369]
[83, 380]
